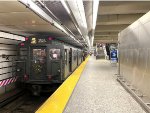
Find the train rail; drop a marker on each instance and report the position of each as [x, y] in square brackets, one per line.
[7, 98]
[24, 102]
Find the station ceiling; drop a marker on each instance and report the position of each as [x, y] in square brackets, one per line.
[114, 16]
[18, 19]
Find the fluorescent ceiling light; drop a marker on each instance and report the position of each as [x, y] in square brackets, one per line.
[79, 30]
[92, 40]
[80, 6]
[34, 7]
[82, 19]
[69, 12]
[95, 10]
[65, 6]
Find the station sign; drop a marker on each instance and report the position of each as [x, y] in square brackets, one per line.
[42, 40]
[33, 40]
[38, 40]
[113, 55]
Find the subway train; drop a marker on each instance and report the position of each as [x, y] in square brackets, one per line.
[46, 61]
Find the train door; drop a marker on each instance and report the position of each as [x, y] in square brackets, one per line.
[38, 63]
[54, 62]
[66, 63]
[70, 60]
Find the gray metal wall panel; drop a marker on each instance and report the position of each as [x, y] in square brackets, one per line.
[134, 51]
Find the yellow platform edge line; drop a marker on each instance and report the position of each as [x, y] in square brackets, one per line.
[58, 100]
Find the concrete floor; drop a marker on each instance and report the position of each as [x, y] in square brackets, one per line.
[98, 91]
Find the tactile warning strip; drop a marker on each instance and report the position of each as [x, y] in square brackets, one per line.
[58, 100]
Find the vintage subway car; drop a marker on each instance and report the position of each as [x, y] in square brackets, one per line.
[46, 61]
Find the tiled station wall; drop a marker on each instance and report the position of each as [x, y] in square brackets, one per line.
[8, 56]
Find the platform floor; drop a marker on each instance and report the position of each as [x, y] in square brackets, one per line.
[98, 91]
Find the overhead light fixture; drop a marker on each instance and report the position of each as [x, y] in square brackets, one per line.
[92, 40]
[82, 18]
[95, 10]
[34, 7]
[64, 3]
[65, 6]
[79, 31]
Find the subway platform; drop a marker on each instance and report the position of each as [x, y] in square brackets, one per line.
[97, 91]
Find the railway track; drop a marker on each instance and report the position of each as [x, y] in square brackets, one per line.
[25, 103]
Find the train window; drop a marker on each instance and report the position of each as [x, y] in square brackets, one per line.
[66, 56]
[39, 55]
[54, 54]
[75, 54]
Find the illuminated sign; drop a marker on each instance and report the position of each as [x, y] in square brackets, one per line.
[33, 41]
[113, 55]
[50, 38]
[41, 40]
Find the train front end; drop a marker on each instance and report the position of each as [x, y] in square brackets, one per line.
[42, 64]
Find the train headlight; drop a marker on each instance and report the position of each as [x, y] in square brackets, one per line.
[26, 77]
[18, 69]
[26, 39]
[49, 77]
[22, 44]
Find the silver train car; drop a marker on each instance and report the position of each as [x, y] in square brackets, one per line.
[46, 61]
